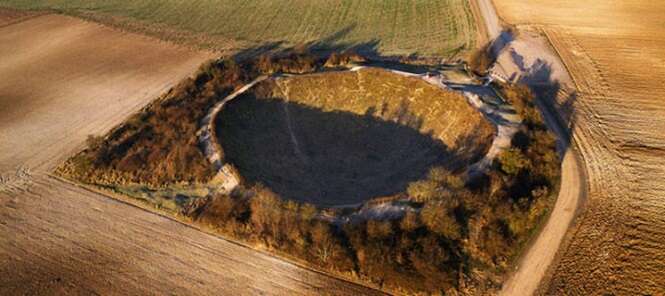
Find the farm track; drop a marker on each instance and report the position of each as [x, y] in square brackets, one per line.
[59, 239]
[615, 54]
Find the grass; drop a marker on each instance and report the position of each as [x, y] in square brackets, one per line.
[396, 27]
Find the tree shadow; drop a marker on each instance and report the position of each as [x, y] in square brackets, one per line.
[327, 158]
[322, 47]
[335, 43]
[500, 43]
[518, 60]
[558, 103]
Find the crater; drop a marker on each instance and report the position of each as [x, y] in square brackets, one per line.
[342, 138]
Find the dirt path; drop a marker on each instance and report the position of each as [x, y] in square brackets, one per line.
[63, 79]
[207, 125]
[225, 179]
[534, 264]
[491, 19]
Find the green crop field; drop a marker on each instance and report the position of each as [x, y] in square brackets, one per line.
[442, 28]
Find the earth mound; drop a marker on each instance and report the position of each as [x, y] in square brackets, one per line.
[342, 138]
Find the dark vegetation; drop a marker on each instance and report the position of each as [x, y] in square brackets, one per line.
[461, 234]
[482, 59]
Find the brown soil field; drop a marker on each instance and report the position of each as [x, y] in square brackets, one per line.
[62, 80]
[342, 138]
[615, 53]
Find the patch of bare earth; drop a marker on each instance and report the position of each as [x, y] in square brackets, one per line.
[63, 79]
[615, 53]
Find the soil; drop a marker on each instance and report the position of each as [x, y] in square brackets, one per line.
[65, 79]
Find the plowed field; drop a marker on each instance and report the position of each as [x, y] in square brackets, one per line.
[615, 52]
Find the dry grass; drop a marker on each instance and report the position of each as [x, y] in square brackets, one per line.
[439, 28]
[444, 114]
[614, 50]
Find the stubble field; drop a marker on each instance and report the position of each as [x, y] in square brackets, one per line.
[615, 53]
[439, 28]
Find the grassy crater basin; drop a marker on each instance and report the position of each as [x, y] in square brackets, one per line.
[342, 138]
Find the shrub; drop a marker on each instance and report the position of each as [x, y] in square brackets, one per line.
[482, 59]
[345, 59]
[424, 190]
[94, 142]
[159, 145]
[513, 161]
[378, 229]
[293, 62]
[409, 222]
[522, 99]
[439, 218]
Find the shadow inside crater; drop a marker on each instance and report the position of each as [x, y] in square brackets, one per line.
[325, 158]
